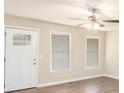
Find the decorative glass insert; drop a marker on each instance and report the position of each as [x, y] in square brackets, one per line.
[21, 39]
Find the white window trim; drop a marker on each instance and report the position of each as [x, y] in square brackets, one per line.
[99, 63]
[60, 33]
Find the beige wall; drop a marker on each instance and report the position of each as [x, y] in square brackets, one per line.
[78, 49]
[112, 52]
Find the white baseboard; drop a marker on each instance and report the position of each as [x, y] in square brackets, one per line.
[76, 79]
[111, 76]
[67, 81]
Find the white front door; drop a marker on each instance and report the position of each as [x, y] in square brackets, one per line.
[20, 65]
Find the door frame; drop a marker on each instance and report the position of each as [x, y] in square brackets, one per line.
[37, 46]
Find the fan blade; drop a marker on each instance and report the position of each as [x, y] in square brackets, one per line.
[77, 19]
[80, 24]
[83, 23]
[101, 25]
[111, 21]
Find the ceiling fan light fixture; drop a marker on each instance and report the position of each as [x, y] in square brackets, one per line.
[88, 26]
[96, 26]
[92, 18]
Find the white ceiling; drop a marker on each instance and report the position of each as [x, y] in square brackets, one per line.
[59, 11]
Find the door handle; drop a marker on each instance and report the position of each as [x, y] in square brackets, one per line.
[34, 59]
[34, 63]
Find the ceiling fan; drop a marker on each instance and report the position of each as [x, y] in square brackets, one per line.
[94, 19]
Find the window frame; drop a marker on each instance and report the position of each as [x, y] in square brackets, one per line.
[99, 63]
[60, 33]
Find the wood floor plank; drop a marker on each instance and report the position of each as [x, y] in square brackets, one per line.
[95, 85]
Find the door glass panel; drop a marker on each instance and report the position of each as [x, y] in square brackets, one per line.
[21, 39]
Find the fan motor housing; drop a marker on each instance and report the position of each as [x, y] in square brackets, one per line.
[92, 18]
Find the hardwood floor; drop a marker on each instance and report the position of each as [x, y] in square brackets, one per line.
[95, 85]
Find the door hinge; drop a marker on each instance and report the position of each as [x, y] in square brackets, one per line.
[4, 59]
[5, 33]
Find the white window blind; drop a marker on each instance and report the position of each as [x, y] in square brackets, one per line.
[92, 52]
[60, 52]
